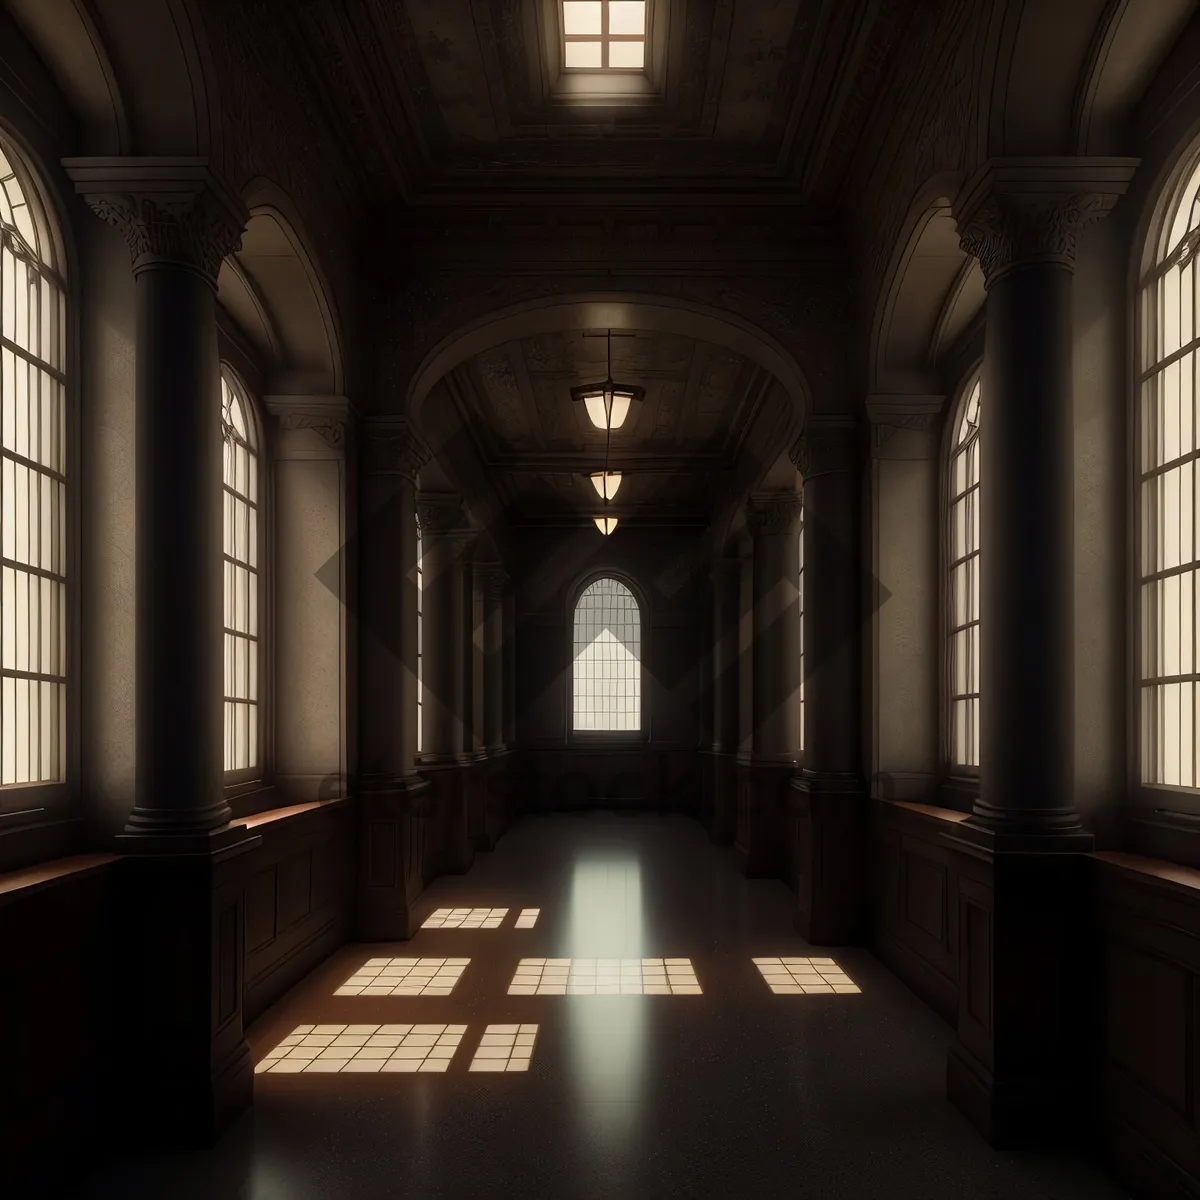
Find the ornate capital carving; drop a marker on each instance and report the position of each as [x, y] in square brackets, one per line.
[883, 430]
[171, 211]
[331, 430]
[825, 450]
[775, 512]
[392, 449]
[439, 514]
[1015, 212]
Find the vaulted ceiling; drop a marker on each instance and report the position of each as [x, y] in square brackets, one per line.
[509, 409]
[469, 96]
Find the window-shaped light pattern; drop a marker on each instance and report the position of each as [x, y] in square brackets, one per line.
[605, 977]
[404, 977]
[33, 488]
[420, 644]
[505, 1048]
[962, 600]
[800, 601]
[240, 494]
[604, 35]
[527, 918]
[607, 671]
[365, 1049]
[1169, 445]
[465, 918]
[804, 976]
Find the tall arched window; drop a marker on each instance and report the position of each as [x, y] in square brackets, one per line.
[420, 645]
[800, 600]
[962, 592]
[607, 659]
[33, 486]
[1168, 446]
[243, 732]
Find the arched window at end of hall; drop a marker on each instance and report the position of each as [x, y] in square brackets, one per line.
[962, 584]
[1168, 444]
[33, 485]
[242, 582]
[606, 669]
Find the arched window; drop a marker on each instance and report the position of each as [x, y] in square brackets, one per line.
[607, 659]
[33, 486]
[800, 599]
[420, 646]
[962, 592]
[1168, 446]
[243, 731]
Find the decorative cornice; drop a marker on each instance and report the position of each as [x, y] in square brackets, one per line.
[826, 450]
[890, 413]
[331, 430]
[171, 211]
[774, 512]
[1014, 212]
[390, 447]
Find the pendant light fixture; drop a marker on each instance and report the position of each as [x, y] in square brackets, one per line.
[607, 407]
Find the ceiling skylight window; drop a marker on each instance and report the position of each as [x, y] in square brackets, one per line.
[604, 35]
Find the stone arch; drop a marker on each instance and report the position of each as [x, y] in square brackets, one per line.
[275, 290]
[138, 76]
[614, 310]
[932, 290]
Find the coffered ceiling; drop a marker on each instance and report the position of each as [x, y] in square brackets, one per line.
[536, 446]
[469, 96]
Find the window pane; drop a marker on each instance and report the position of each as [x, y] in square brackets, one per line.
[581, 16]
[607, 659]
[627, 55]
[627, 16]
[583, 54]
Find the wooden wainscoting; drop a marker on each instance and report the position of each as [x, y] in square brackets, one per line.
[1148, 914]
[299, 896]
[915, 900]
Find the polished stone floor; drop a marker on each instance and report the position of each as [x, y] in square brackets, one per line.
[734, 1091]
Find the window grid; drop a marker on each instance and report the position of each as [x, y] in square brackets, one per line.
[1167, 456]
[420, 642]
[606, 679]
[800, 601]
[33, 497]
[241, 590]
[963, 584]
[604, 35]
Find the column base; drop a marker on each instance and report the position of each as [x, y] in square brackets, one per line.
[720, 796]
[761, 797]
[828, 825]
[451, 780]
[393, 823]
[170, 823]
[1018, 1068]
[186, 1069]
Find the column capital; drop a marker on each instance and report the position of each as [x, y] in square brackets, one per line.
[1016, 211]
[327, 416]
[826, 447]
[171, 211]
[391, 447]
[492, 580]
[440, 515]
[888, 414]
[774, 512]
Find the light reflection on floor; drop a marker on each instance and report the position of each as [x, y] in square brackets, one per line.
[505, 1048]
[604, 977]
[465, 918]
[804, 976]
[528, 918]
[333, 1049]
[404, 977]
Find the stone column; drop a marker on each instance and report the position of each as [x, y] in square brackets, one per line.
[509, 658]
[446, 541]
[180, 897]
[394, 799]
[774, 521]
[828, 793]
[492, 584]
[1018, 1068]
[474, 737]
[310, 529]
[722, 781]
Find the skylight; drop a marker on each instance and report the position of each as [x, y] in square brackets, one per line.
[604, 35]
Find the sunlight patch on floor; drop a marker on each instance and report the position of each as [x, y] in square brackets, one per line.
[804, 976]
[465, 918]
[363, 1049]
[505, 1048]
[404, 977]
[604, 977]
